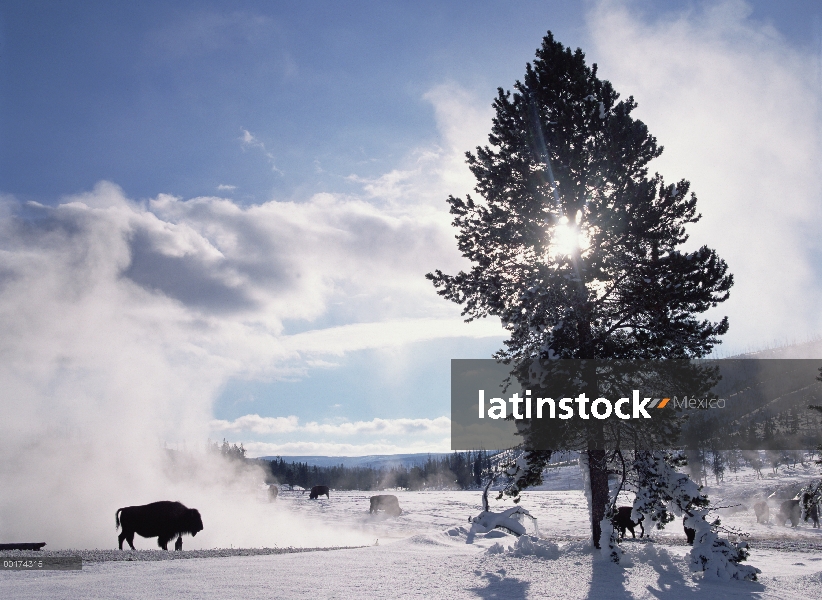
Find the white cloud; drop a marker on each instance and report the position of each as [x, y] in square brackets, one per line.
[343, 449]
[226, 188]
[208, 278]
[430, 173]
[393, 333]
[376, 427]
[739, 116]
[250, 141]
[257, 424]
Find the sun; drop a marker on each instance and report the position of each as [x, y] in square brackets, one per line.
[567, 239]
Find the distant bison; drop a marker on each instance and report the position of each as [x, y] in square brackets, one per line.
[162, 520]
[690, 533]
[790, 510]
[388, 503]
[317, 491]
[622, 521]
[763, 513]
[813, 515]
[813, 511]
[273, 492]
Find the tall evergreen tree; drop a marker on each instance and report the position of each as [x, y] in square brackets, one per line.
[573, 245]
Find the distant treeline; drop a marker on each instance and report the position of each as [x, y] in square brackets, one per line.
[230, 451]
[457, 471]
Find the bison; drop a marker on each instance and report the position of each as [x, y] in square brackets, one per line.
[388, 503]
[763, 513]
[790, 509]
[813, 511]
[162, 520]
[273, 492]
[690, 532]
[317, 491]
[622, 521]
[813, 515]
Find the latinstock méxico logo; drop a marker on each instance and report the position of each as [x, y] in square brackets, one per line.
[726, 404]
[567, 408]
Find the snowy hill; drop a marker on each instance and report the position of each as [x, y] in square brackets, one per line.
[805, 350]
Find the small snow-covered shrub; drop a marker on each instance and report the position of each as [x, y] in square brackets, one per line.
[506, 520]
[715, 557]
[609, 540]
[663, 492]
[497, 548]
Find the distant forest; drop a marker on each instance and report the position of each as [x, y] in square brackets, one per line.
[457, 471]
[470, 470]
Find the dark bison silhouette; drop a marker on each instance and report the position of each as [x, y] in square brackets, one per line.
[317, 491]
[622, 521]
[273, 492]
[790, 509]
[163, 520]
[386, 502]
[690, 533]
[813, 515]
[178, 545]
[763, 513]
[813, 511]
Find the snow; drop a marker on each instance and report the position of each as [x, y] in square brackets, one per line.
[424, 554]
[509, 520]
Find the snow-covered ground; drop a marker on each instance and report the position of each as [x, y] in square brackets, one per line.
[424, 554]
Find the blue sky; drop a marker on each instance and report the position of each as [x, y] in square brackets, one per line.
[216, 217]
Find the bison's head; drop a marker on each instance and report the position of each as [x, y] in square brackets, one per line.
[194, 522]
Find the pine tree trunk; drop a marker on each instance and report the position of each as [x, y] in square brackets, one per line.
[598, 474]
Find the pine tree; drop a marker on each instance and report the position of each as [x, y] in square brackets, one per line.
[573, 245]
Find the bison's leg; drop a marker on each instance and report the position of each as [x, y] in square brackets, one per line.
[631, 529]
[641, 528]
[178, 545]
[127, 536]
[163, 539]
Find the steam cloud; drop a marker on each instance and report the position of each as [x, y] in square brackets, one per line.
[119, 322]
[738, 111]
